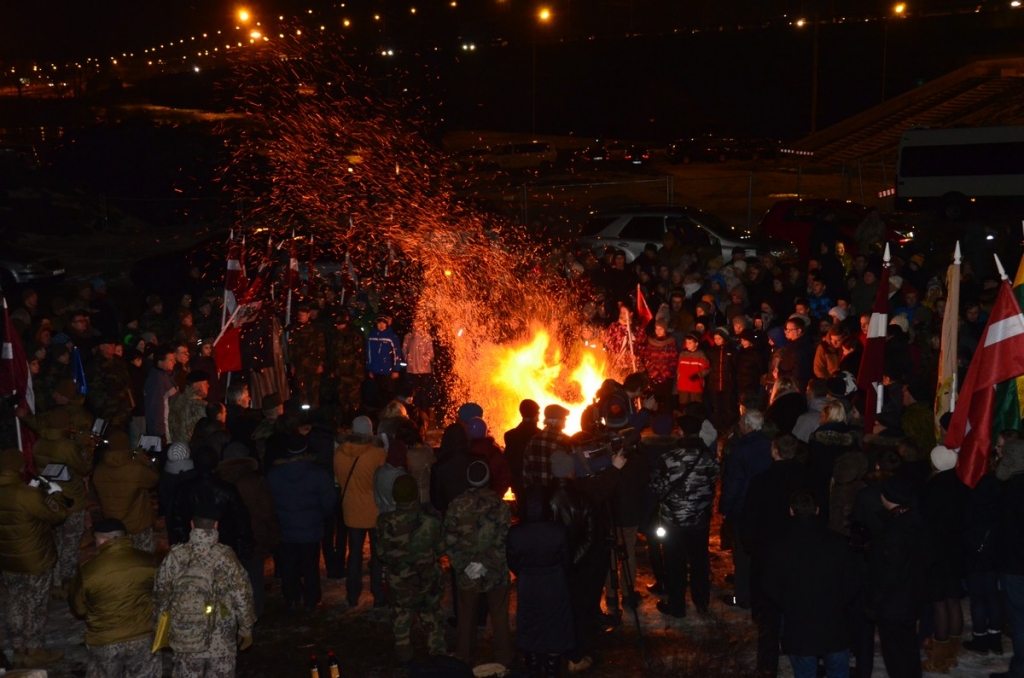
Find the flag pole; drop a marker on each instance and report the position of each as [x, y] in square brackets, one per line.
[999, 266]
[952, 390]
[224, 301]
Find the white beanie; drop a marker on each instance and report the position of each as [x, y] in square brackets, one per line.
[943, 458]
[839, 313]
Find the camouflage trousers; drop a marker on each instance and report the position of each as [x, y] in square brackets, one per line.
[130, 659]
[69, 541]
[349, 392]
[144, 540]
[26, 608]
[430, 615]
[307, 388]
[188, 666]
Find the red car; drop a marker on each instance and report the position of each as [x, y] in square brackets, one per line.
[792, 220]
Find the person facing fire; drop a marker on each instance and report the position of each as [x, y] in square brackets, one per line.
[537, 456]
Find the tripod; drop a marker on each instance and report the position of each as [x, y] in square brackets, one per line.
[620, 558]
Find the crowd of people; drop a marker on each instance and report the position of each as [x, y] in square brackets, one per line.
[740, 387]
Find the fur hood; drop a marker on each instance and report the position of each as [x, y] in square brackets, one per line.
[837, 438]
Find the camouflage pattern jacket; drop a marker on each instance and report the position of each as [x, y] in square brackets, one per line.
[184, 411]
[475, 528]
[348, 352]
[110, 394]
[234, 608]
[688, 502]
[409, 544]
[56, 447]
[307, 349]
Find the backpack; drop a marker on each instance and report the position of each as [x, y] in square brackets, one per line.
[193, 608]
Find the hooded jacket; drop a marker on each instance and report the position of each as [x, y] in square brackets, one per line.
[362, 455]
[26, 526]
[54, 447]
[114, 593]
[303, 495]
[123, 483]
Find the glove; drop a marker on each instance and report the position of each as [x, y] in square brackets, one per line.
[244, 640]
[651, 403]
[53, 488]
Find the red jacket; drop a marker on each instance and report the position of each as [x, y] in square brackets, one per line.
[695, 363]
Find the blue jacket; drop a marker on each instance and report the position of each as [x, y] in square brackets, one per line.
[751, 455]
[383, 352]
[303, 494]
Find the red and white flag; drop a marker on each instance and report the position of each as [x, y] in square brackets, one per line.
[291, 279]
[643, 311]
[227, 350]
[235, 282]
[15, 379]
[999, 356]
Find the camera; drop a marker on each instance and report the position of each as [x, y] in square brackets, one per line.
[593, 451]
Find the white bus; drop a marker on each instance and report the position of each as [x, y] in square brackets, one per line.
[949, 169]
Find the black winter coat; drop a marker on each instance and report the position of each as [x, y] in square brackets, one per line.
[1010, 532]
[234, 527]
[516, 440]
[538, 554]
[751, 365]
[765, 516]
[722, 377]
[811, 574]
[896, 567]
[448, 478]
[982, 524]
[943, 505]
[825, 445]
[786, 410]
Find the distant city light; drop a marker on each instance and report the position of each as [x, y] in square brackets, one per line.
[544, 14]
[900, 8]
[255, 35]
[195, 68]
[1015, 3]
[243, 15]
[801, 22]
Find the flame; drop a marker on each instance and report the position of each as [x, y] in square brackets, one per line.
[536, 369]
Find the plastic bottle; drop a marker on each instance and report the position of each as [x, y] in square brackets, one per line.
[332, 666]
[314, 667]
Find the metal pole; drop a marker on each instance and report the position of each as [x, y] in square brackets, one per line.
[533, 98]
[750, 198]
[526, 209]
[842, 182]
[885, 52]
[885, 181]
[814, 74]
[670, 187]
[799, 178]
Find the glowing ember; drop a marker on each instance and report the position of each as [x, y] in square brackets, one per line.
[534, 369]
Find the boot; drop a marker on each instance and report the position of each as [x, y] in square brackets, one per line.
[954, 650]
[980, 644]
[533, 665]
[552, 665]
[995, 639]
[938, 654]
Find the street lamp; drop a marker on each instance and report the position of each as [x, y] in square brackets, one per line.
[243, 15]
[800, 23]
[899, 10]
[543, 17]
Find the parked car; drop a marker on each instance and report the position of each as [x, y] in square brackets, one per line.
[529, 155]
[637, 154]
[630, 229]
[792, 220]
[706, 148]
[20, 267]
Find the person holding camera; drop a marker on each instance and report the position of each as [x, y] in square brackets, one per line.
[578, 500]
[28, 516]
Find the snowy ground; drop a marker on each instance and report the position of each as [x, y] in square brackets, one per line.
[720, 645]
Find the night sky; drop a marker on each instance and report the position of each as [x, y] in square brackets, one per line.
[74, 29]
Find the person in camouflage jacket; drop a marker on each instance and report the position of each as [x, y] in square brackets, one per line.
[347, 356]
[476, 526]
[307, 353]
[233, 604]
[185, 409]
[409, 544]
[110, 394]
[56, 447]
[684, 483]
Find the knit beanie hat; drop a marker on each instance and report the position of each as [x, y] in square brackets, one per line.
[478, 474]
[405, 489]
[362, 426]
[476, 428]
[562, 465]
[943, 458]
[722, 332]
[469, 410]
[177, 451]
